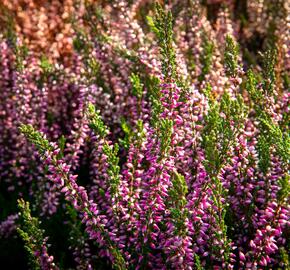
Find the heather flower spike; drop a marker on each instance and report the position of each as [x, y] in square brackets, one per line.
[75, 194]
[161, 25]
[33, 236]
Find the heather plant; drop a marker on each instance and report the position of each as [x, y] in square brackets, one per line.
[32, 235]
[161, 143]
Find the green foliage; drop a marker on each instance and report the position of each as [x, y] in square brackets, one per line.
[113, 169]
[119, 262]
[140, 134]
[197, 262]
[61, 144]
[286, 81]
[95, 121]
[93, 67]
[231, 57]
[161, 25]
[131, 135]
[276, 137]
[211, 134]
[30, 233]
[81, 43]
[179, 190]
[252, 87]
[47, 70]
[271, 135]
[21, 52]
[166, 130]
[206, 57]
[152, 84]
[177, 203]
[284, 191]
[137, 87]
[208, 93]
[125, 142]
[263, 147]
[45, 65]
[35, 137]
[223, 121]
[269, 62]
[222, 124]
[285, 262]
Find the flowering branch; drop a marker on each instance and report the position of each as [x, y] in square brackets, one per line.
[75, 194]
[33, 236]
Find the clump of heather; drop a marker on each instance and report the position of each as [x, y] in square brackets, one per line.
[163, 143]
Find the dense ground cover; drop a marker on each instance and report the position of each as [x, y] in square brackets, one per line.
[137, 135]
